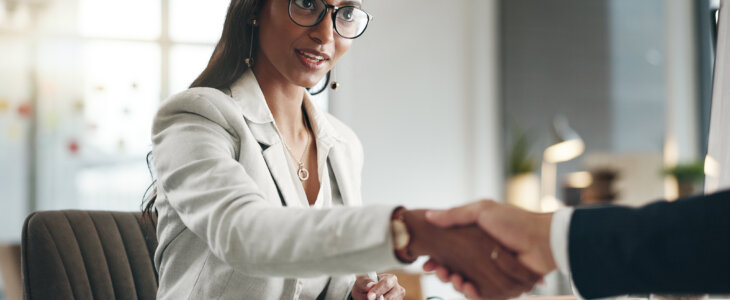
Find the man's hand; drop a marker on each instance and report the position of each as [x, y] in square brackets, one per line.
[469, 251]
[526, 233]
[387, 286]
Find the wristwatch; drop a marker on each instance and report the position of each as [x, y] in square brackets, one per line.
[401, 236]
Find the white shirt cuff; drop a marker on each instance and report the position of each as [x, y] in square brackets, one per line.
[559, 230]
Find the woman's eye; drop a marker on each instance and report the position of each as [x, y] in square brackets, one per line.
[305, 4]
[347, 14]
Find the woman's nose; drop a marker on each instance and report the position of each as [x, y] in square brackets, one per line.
[324, 32]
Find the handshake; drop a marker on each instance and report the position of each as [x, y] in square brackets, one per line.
[487, 250]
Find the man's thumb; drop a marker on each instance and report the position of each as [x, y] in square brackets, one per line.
[462, 215]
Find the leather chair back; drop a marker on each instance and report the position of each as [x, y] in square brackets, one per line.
[72, 254]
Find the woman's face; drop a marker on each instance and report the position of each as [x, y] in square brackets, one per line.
[301, 55]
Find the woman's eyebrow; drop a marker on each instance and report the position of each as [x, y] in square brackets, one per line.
[357, 4]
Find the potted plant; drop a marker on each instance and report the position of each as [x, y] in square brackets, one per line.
[523, 186]
[689, 177]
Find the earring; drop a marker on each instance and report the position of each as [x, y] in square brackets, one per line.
[334, 85]
[249, 60]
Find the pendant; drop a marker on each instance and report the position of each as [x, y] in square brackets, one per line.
[302, 173]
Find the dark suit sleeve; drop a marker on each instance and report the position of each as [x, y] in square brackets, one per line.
[666, 247]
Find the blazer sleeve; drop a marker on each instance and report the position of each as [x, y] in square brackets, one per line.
[194, 145]
[666, 247]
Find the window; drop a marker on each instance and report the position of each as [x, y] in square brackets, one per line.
[89, 80]
[80, 83]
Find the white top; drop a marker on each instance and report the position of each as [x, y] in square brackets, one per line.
[327, 197]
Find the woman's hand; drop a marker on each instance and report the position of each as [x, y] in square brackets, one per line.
[387, 286]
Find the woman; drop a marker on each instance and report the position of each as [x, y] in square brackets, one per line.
[254, 180]
[288, 153]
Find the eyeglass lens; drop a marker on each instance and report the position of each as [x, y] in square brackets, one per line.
[350, 22]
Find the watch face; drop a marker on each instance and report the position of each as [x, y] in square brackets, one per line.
[401, 237]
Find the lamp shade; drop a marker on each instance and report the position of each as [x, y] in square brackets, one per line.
[569, 144]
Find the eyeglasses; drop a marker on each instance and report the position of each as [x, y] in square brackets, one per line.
[349, 21]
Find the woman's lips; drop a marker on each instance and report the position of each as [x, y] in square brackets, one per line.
[311, 59]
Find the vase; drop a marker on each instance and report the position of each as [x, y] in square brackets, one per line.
[523, 190]
[686, 188]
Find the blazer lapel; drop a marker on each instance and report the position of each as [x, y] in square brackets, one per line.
[342, 171]
[274, 155]
[278, 165]
[247, 94]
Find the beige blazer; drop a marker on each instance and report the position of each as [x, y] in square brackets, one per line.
[230, 223]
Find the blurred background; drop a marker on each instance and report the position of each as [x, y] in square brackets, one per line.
[540, 103]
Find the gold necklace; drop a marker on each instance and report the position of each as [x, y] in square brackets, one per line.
[302, 172]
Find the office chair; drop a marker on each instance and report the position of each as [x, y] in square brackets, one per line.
[72, 254]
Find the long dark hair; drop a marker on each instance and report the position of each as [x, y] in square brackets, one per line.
[224, 67]
[227, 62]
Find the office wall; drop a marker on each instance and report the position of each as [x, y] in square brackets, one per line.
[419, 88]
[637, 66]
[13, 138]
[603, 65]
[556, 61]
